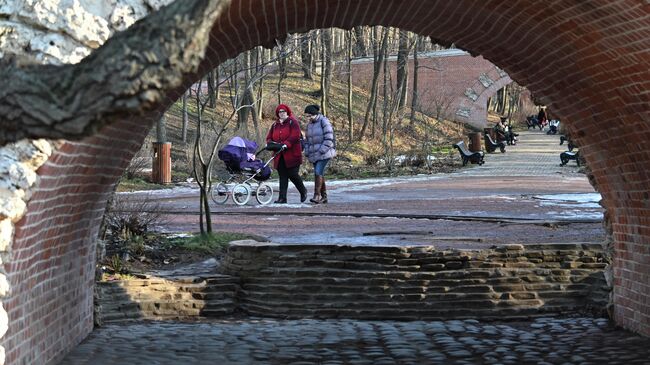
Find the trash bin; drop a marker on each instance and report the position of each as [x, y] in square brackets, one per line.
[161, 171]
[474, 141]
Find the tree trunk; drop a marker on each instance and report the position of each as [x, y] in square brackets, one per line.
[217, 75]
[387, 83]
[206, 200]
[414, 97]
[261, 59]
[360, 42]
[211, 90]
[349, 49]
[326, 66]
[185, 118]
[246, 98]
[282, 59]
[305, 56]
[402, 65]
[161, 131]
[379, 58]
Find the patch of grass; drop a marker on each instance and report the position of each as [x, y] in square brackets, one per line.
[139, 183]
[207, 243]
[178, 175]
[114, 277]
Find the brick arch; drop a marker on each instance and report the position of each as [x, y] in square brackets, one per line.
[472, 108]
[590, 61]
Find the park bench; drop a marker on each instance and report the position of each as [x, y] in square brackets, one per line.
[567, 156]
[491, 146]
[467, 156]
[532, 122]
[570, 143]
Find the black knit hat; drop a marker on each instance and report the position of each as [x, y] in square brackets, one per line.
[312, 109]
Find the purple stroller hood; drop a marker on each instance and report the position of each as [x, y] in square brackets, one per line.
[250, 146]
[237, 150]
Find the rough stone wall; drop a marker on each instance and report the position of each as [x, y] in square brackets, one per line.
[451, 80]
[417, 282]
[160, 298]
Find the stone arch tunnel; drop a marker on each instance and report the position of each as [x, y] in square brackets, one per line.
[589, 61]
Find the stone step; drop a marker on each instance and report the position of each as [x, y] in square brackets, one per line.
[113, 316]
[388, 301]
[360, 296]
[319, 273]
[152, 305]
[172, 295]
[405, 314]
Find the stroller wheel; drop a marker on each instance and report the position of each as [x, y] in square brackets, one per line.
[219, 193]
[264, 194]
[241, 193]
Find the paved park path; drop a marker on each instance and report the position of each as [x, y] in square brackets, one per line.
[526, 187]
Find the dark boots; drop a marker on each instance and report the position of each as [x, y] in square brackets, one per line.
[318, 182]
[320, 191]
[323, 191]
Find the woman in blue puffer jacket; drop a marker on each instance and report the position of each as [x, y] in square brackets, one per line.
[319, 149]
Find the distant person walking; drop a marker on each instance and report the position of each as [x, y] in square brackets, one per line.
[319, 149]
[286, 131]
[542, 117]
[500, 129]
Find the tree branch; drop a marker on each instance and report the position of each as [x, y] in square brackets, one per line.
[128, 76]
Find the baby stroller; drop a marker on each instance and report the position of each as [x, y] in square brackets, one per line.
[245, 171]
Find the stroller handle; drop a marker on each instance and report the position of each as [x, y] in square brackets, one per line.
[273, 146]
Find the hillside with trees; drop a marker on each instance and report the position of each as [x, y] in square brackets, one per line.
[379, 131]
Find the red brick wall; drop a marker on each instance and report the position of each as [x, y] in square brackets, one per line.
[588, 60]
[53, 256]
[443, 78]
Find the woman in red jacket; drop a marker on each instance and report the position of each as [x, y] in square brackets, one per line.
[286, 130]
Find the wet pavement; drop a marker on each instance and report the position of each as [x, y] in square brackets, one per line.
[579, 340]
[524, 185]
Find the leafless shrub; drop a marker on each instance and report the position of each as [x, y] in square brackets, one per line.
[139, 163]
[128, 217]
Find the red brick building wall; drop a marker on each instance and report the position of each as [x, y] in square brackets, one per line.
[589, 61]
[52, 270]
[452, 84]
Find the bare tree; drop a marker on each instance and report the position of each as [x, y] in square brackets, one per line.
[326, 68]
[414, 97]
[212, 97]
[202, 161]
[185, 117]
[402, 64]
[360, 42]
[349, 49]
[161, 130]
[379, 58]
[306, 56]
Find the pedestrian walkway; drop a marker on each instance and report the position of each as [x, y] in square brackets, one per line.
[537, 154]
[336, 342]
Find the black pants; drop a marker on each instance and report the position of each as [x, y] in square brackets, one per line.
[287, 174]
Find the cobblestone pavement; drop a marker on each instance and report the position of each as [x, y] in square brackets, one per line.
[332, 342]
